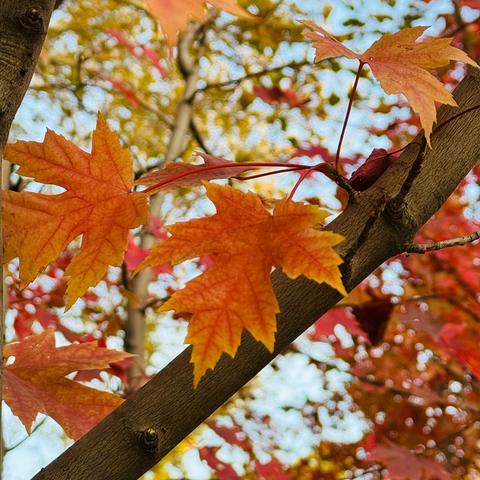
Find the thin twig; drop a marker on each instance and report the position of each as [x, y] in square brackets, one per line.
[141, 103]
[330, 172]
[347, 115]
[266, 174]
[344, 184]
[34, 429]
[454, 242]
[162, 117]
[198, 137]
[248, 76]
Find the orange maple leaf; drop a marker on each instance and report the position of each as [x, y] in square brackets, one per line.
[35, 383]
[98, 203]
[173, 16]
[401, 65]
[244, 241]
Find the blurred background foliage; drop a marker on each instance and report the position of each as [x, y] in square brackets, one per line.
[379, 384]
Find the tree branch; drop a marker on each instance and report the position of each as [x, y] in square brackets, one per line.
[260, 73]
[171, 408]
[454, 242]
[27, 436]
[198, 137]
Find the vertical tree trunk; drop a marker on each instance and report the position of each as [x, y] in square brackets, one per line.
[23, 27]
[135, 325]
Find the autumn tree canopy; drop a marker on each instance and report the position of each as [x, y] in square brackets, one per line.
[164, 161]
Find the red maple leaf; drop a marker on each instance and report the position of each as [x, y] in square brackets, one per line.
[36, 382]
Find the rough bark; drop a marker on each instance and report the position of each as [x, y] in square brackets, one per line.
[378, 226]
[23, 26]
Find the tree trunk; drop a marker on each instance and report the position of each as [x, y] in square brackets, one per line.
[23, 27]
[378, 226]
[135, 323]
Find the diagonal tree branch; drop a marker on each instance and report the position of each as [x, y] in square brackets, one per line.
[157, 417]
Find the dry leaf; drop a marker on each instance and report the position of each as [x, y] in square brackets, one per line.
[181, 174]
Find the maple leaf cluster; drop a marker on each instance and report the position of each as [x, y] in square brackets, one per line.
[100, 205]
[242, 242]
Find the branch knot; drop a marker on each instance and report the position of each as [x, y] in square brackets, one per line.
[148, 439]
[32, 20]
